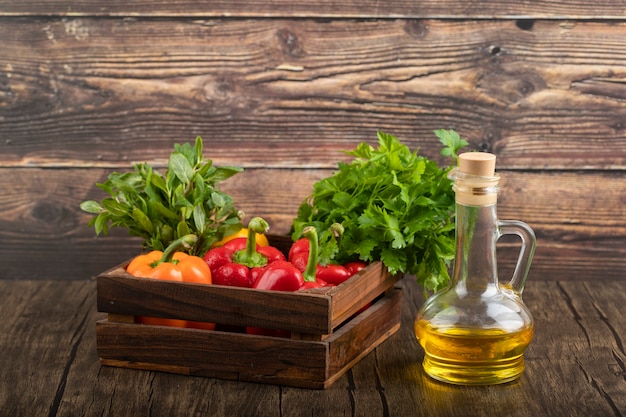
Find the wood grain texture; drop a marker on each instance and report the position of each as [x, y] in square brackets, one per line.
[37, 385]
[281, 93]
[574, 365]
[233, 355]
[40, 218]
[282, 89]
[578, 219]
[578, 9]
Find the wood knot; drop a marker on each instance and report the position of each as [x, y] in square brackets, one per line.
[495, 50]
[525, 24]
[45, 212]
[416, 28]
[510, 87]
[489, 137]
[225, 86]
[290, 43]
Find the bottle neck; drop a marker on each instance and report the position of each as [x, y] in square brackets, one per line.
[477, 231]
[475, 266]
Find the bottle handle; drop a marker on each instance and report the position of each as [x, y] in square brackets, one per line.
[529, 241]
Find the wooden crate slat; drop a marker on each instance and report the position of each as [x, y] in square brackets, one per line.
[123, 294]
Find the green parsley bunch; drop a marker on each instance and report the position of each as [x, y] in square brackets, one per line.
[393, 205]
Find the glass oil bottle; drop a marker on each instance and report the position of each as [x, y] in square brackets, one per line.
[474, 331]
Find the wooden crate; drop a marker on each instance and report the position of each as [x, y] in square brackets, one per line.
[330, 329]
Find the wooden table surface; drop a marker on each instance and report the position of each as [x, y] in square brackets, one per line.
[575, 366]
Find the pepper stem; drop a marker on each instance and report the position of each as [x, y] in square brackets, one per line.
[249, 256]
[310, 234]
[337, 230]
[186, 242]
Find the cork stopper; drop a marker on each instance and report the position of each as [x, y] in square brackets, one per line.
[475, 180]
[480, 164]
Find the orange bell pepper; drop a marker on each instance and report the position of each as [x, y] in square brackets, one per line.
[181, 267]
[172, 266]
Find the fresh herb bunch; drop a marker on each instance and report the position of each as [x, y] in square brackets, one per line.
[160, 209]
[393, 205]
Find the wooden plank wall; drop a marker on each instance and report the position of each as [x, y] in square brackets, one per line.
[280, 87]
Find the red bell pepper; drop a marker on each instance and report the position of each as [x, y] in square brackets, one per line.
[355, 266]
[333, 274]
[304, 252]
[277, 276]
[240, 261]
[219, 257]
[310, 272]
[299, 246]
[280, 276]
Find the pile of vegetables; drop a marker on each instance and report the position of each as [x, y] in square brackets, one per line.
[389, 204]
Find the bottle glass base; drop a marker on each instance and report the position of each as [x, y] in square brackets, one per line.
[474, 374]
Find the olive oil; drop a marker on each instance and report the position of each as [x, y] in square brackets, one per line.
[475, 331]
[472, 356]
